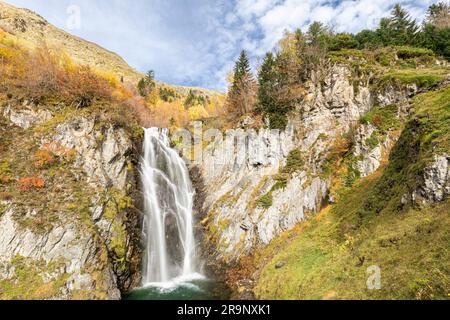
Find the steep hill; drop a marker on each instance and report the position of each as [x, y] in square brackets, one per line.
[33, 30]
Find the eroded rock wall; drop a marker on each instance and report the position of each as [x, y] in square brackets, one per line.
[88, 245]
[244, 204]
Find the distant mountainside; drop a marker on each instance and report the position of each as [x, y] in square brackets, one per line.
[34, 30]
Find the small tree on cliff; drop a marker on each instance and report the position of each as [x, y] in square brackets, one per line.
[241, 95]
[147, 84]
[399, 29]
[272, 100]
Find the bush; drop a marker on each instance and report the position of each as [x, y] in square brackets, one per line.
[295, 162]
[343, 41]
[44, 159]
[278, 121]
[167, 95]
[30, 183]
[43, 73]
[265, 201]
[411, 52]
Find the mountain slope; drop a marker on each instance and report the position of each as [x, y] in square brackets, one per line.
[33, 30]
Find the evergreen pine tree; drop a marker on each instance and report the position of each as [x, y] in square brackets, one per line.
[403, 28]
[267, 79]
[316, 33]
[242, 71]
[241, 93]
[147, 84]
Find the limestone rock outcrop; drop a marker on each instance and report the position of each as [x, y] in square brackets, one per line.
[92, 231]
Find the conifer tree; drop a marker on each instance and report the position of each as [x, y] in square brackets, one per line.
[402, 28]
[241, 96]
[242, 71]
[267, 80]
[147, 84]
[272, 99]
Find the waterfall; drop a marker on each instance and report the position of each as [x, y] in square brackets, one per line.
[168, 212]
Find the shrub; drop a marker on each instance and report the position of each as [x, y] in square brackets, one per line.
[58, 150]
[343, 41]
[295, 162]
[166, 94]
[44, 158]
[5, 173]
[30, 183]
[411, 52]
[265, 201]
[278, 121]
[281, 182]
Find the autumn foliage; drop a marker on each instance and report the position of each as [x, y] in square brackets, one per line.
[30, 183]
[45, 74]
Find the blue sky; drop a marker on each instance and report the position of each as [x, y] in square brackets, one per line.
[195, 42]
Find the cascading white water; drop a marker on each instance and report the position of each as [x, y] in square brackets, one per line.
[168, 212]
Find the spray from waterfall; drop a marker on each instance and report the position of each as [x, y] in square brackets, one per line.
[170, 251]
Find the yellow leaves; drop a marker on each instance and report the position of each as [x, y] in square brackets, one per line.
[153, 97]
[8, 40]
[197, 112]
[7, 54]
[108, 76]
[67, 63]
[122, 93]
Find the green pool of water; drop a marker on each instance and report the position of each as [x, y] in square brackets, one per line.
[192, 290]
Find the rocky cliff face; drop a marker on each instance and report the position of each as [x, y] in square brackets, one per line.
[277, 179]
[74, 228]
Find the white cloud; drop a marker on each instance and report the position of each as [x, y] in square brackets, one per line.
[196, 42]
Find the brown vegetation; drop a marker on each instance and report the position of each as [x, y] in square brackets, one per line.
[29, 183]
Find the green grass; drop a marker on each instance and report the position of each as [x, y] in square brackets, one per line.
[294, 163]
[422, 77]
[265, 201]
[329, 258]
[27, 282]
[383, 118]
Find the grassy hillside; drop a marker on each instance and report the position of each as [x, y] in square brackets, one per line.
[327, 257]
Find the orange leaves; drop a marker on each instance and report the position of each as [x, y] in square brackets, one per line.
[44, 72]
[50, 153]
[57, 149]
[5, 179]
[31, 183]
[44, 159]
